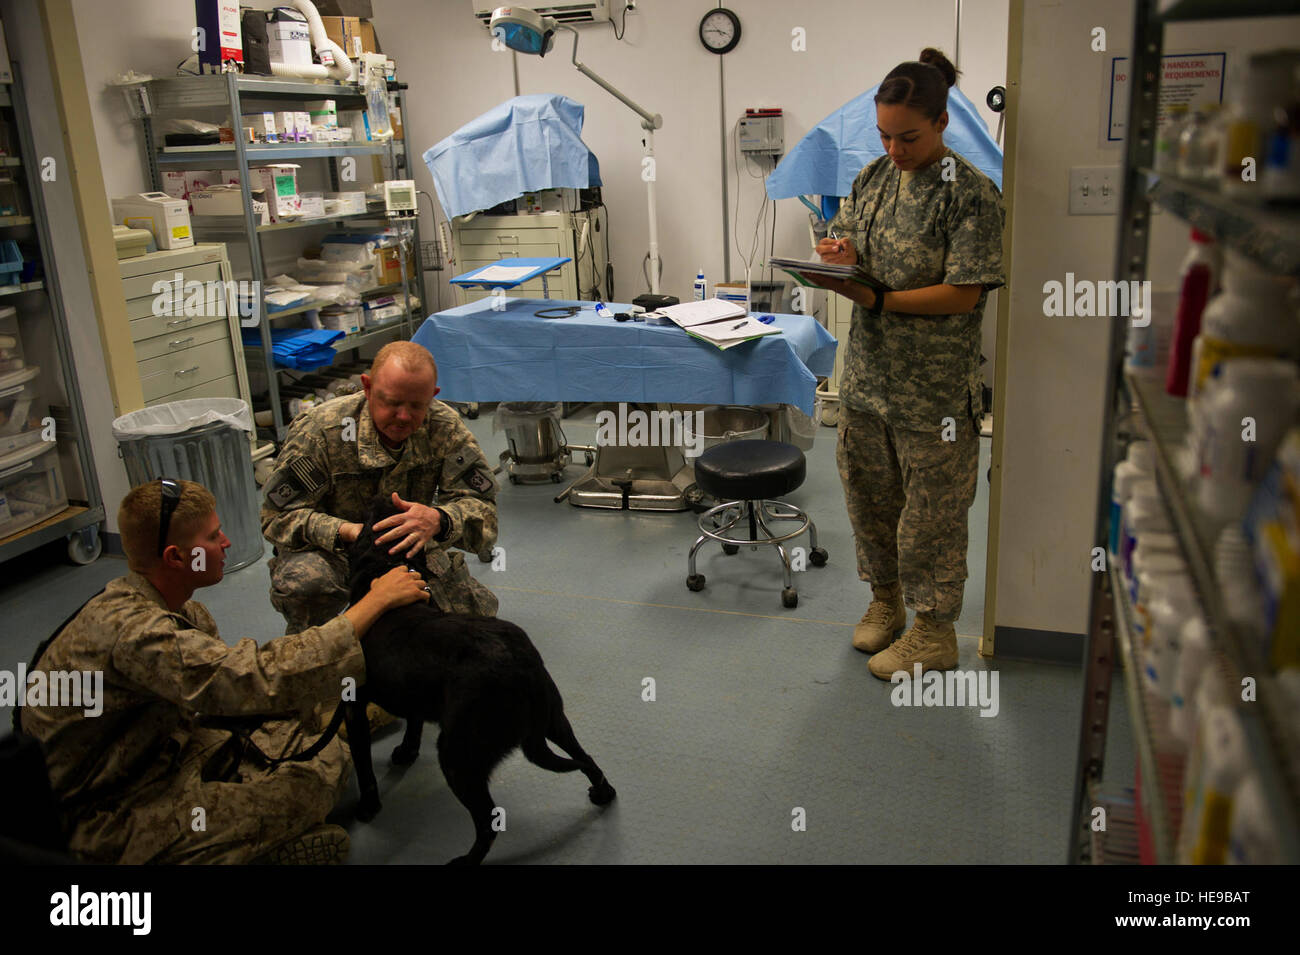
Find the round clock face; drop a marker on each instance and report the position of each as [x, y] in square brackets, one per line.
[720, 30]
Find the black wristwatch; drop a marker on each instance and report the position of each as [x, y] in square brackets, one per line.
[879, 304]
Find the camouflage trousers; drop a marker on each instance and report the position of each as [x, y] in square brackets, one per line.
[239, 821]
[310, 587]
[908, 495]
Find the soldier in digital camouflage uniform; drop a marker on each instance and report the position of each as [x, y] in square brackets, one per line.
[145, 780]
[338, 456]
[927, 224]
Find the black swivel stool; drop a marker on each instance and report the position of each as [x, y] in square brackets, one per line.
[749, 477]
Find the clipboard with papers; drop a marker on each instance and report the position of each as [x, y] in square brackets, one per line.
[800, 269]
[718, 322]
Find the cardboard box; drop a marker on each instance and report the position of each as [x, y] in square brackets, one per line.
[355, 35]
[349, 203]
[263, 124]
[345, 8]
[389, 267]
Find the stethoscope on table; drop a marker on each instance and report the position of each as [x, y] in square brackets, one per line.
[559, 311]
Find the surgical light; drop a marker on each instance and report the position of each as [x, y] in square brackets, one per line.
[523, 30]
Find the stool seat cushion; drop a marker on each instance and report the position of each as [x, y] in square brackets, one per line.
[750, 470]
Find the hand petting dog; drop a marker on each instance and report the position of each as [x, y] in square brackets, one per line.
[410, 529]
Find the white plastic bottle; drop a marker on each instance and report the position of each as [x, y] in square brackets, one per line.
[1144, 512]
[1250, 318]
[1170, 611]
[700, 285]
[1193, 657]
[1242, 425]
[1224, 763]
[1138, 464]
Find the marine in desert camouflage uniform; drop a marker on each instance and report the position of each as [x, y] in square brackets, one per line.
[337, 459]
[130, 779]
[929, 227]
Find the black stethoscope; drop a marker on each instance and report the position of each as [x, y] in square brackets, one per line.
[560, 311]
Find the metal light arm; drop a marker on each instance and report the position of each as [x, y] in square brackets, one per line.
[651, 121]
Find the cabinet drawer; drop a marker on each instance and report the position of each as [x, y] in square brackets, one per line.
[150, 306]
[492, 253]
[227, 387]
[178, 341]
[143, 285]
[145, 328]
[185, 369]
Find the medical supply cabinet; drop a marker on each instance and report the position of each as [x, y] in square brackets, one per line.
[1138, 407]
[227, 98]
[47, 484]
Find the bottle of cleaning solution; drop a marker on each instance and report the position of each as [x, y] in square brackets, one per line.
[1193, 657]
[1145, 511]
[1199, 278]
[1224, 763]
[1139, 463]
[1243, 424]
[1250, 318]
[701, 287]
[1169, 613]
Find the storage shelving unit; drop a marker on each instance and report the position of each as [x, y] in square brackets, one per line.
[45, 336]
[1270, 237]
[238, 94]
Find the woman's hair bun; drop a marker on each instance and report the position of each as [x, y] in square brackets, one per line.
[936, 59]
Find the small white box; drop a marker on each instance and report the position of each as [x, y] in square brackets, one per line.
[302, 123]
[350, 203]
[174, 183]
[324, 113]
[263, 126]
[226, 201]
[313, 205]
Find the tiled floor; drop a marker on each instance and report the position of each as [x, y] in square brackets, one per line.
[759, 712]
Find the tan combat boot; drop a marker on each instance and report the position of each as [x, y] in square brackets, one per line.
[883, 619]
[931, 644]
[323, 845]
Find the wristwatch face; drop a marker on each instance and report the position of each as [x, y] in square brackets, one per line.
[720, 30]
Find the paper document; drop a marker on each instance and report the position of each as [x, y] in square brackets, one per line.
[503, 273]
[690, 314]
[725, 334]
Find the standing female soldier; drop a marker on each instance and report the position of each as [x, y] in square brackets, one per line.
[927, 223]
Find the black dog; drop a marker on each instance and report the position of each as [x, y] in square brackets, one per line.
[480, 678]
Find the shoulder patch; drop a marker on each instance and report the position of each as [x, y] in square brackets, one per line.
[478, 480]
[299, 477]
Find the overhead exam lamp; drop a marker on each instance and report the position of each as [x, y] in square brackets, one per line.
[524, 30]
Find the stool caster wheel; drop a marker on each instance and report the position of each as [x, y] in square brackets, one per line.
[471, 411]
[818, 557]
[731, 548]
[790, 597]
[555, 478]
[695, 582]
[514, 479]
[590, 458]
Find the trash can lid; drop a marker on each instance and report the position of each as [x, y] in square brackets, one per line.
[175, 417]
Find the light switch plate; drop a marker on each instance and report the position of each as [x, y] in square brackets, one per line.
[1094, 190]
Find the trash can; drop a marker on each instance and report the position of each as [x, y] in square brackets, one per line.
[723, 423]
[535, 440]
[203, 440]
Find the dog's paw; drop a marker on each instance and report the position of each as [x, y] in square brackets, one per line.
[603, 794]
[367, 809]
[402, 756]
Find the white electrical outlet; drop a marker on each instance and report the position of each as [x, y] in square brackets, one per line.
[1094, 190]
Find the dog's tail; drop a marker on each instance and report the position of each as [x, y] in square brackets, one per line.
[538, 753]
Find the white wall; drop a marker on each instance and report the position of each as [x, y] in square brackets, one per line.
[1056, 366]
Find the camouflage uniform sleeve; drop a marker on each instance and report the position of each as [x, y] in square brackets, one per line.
[300, 481]
[467, 492]
[199, 671]
[975, 239]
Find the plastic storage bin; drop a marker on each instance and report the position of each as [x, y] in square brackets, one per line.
[20, 409]
[11, 262]
[31, 488]
[203, 440]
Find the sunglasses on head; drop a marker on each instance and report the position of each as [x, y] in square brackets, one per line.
[171, 496]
